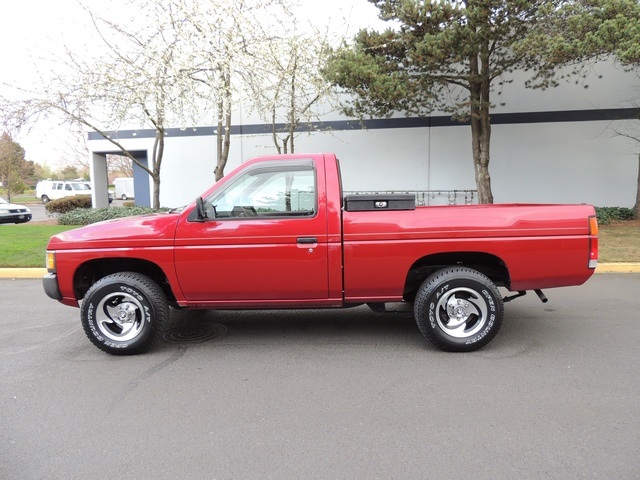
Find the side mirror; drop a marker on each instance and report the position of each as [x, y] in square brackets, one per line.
[202, 214]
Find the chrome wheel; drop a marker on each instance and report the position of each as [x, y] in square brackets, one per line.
[119, 317]
[461, 312]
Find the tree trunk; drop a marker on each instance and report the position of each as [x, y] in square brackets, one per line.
[481, 140]
[224, 130]
[219, 168]
[9, 179]
[292, 106]
[227, 137]
[224, 142]
[636, 207]
[274, 134]
[158, 153]
[480, 128]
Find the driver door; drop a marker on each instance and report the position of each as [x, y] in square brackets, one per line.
[264, 241]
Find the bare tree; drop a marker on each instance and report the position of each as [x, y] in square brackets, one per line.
[225, 38]
[139, 78]
[171, 63]
[120, 165]
[287, 85]
[148, 74]
[74, 152]
[633, 132]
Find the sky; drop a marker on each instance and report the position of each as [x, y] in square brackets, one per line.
[32, 31]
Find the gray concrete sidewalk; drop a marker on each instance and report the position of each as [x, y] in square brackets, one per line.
[621, 267]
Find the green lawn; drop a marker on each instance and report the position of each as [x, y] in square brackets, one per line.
[620, 242]
[21, 198]
[25, 245]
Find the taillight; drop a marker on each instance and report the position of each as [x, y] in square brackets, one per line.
[593, 242]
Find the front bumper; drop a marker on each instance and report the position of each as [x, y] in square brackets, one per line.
[50, 284]
[16, 218]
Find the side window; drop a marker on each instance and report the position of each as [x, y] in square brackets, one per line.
[283, 191]
[68, 187]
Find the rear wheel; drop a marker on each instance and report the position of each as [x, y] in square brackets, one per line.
[124, 313]
[458, 309]
[44, 199]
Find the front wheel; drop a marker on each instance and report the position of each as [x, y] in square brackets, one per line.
[458, 309]
[124, 313]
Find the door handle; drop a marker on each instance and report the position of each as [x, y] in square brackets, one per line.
[307, 240]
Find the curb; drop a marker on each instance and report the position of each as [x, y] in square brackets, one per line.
[618, 267]
[14, 273]
[603, 268]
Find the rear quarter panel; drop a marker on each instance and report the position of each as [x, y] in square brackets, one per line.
[542, 246]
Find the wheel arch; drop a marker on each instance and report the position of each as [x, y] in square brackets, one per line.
[93, 270]
[490, 265]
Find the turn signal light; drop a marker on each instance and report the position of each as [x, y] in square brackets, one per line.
[50, 261]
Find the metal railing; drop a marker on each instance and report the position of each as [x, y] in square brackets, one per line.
[430, 197]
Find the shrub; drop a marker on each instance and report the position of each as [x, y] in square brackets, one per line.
[606, 215]
[86, 216]
[66, 204]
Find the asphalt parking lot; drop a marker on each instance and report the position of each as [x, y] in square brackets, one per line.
[39, 212]
[326, 394]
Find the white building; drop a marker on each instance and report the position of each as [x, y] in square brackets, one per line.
[558, 145]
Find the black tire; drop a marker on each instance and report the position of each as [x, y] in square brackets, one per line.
[123, 196]
[124, 313]
[44, 199]
[458, 309]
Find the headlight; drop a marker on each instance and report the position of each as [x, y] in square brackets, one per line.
[4, 212]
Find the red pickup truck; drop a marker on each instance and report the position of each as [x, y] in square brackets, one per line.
[278, 233]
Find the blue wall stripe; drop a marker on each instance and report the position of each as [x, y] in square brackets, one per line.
[376, 124]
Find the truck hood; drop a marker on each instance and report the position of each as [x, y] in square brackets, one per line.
[152, 230]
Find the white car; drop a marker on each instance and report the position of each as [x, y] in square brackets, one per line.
[11, 213]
